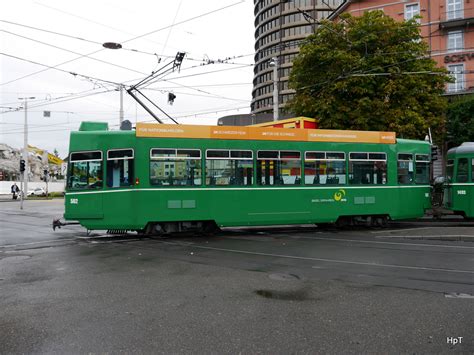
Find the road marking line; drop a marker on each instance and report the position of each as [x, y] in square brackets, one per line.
[391, 243]
[401, 230]
[458, 295]
[33, 243]
[321, 259]
[427, 237]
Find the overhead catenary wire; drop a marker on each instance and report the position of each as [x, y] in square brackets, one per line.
[240, 66]
[319, 84]
[171, 27]
[115, 84]
[359, 73]
[68, 99]
[77, 37]
[160, 89]
[178, 116]
[213, 62]
[73, 52]
[79, 95]
[63, 100]
[129, 40]
[55, 68]
[206, 85]
[88, 77]
[52, 100]
[93, 78]
[207, 94]
[117, 29]
[208, 72]
[226, 60]
[188, 58]
[283, 44]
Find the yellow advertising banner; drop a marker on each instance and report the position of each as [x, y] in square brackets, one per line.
[277, 134]
[325, 135]
[262, 133]
[172, 131]
[388, 137]
[52, 159]
[229, 132]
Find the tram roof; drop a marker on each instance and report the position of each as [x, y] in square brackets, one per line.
[466, 147]
[153, 130]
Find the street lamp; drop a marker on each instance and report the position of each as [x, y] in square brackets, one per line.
[112, 45]
[121, 105]
[24, 176]
[274, 63]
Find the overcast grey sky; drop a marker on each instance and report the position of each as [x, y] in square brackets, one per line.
[68, 35]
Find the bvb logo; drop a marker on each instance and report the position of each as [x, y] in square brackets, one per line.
[338, 196]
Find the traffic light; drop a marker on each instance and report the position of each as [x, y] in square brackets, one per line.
[434, 152]
[22, 165]
[171, 98]
[45, 173]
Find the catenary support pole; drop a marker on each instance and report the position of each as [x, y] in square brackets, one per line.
[24, 190]
[276, 115]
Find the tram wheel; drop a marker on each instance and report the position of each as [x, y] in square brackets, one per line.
[344, 221]
[210, 227]
[380, 221]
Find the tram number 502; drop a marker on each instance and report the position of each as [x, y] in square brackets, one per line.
[74, 201]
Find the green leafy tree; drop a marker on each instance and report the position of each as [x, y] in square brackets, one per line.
[369, 73]
[460, 122]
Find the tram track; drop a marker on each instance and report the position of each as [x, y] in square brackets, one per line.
[344, 240]
[193, 245]
[328, 260]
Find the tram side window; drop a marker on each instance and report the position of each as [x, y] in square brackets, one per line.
[472, 170]
[405, 169]
[462, 171]
[229, 167]
[367, 168]
[422, 175]
[85, 170]
[325, 168]
[278, 167]
[175, 167]
[120, 168]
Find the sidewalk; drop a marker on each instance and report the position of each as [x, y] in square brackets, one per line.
[8, 198]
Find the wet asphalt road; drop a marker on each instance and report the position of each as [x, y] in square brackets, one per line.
[404, 289]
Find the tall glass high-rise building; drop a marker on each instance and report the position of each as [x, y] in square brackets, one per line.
[280, 27]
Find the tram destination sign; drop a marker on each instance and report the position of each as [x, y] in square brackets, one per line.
[153, 130]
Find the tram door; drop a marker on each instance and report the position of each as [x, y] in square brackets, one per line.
[460, 196]
[448, 191]
[85, 181]
[456, 195]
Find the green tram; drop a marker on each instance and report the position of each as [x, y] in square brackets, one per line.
[459, 189]
[168, 178]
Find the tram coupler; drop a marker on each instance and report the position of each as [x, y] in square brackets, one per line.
[58, 224]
